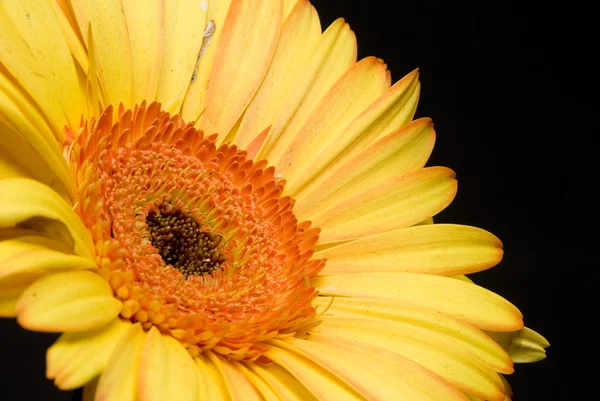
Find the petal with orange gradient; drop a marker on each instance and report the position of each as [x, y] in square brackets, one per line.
[469, 302]
[373, 372]
[362, 209]
[250, 31]
[333, 56]
[419, 318]
[319, 380]
[283, 383]
[400, 152]
[388, 114]
[240, 387]
[347, 99]
[440, 249]
[434, 350]
[300, 35]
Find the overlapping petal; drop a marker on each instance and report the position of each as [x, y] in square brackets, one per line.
[250, 31]
[26, 203]
[182, 26]
[77, 358]
[118, 381]
[370, 371]
[436, 351]
[166, 370]
[66, 302]
[457, 298]
[335, 53]
[370, 208]
[523, 345]
[412, 319]
[35, 53]
[346, 99]
[299, 37]
[25, 256]
[360, 147]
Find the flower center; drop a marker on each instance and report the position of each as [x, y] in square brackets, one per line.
[182, 244]
[195, 238]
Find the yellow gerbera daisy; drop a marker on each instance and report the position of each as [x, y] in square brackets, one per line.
[214, 200]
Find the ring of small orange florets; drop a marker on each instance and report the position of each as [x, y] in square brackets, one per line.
[138, 180]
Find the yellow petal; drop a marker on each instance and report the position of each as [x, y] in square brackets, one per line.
[456, 298]
[112, 50]
[523, 346]
[264, 388]
[30, 257]
[462, 277]
[390, 112]
[507, 392]
[76, 358]
[70, 30]
[166, 370]
[25, 258]
[343, 103]
[249, 33]
[431, 349]
[194, 102]
[184, 22]
[89, 390]
[9, 298]
[94, 94]
[210, 377]
[507, 389]
[400, 152]
[425, 222]
[80, 14]
[144, 19]
[322, 382]
[283, 383]
[28, 203]
[241, 389]
[420, 318]
[27, 144]
[67, 301]
[398, 203]
[288, 6]
[118, 382]
[373, 372]
[19, 159]
[333, 56]
[14, 243]
[33, 48]
[300, 35]
[10, 169]
[441, 249]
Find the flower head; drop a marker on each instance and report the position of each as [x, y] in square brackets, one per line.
[215, 200]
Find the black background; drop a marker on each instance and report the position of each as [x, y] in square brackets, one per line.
[507, 85]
